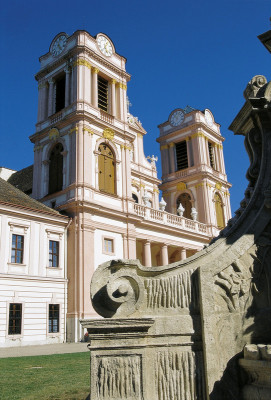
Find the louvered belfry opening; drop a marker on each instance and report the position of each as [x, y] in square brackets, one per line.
[181, 155]
[60, 93]
[56, 169]
[102, 94]
[211, 155]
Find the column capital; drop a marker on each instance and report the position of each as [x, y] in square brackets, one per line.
[67, 70]
[51, 81]
[171, 145]
[113, 81]
[95, 70]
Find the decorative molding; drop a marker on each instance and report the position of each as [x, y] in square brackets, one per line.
[171, 145]
[86, 129]
[43, 85]
[198, 134]
[38, 147]
[53, 134]
[164, 147]
[201, 184]
[95, 70]
[181, 186]
[113, 81]
[83, 62]
[122, 86]
[218, 186]
[108, 133]
[75, 129]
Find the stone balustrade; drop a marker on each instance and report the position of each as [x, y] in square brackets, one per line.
[171, 219]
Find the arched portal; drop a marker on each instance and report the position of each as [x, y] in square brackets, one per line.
[219, 211]
[106, 165]
[56, 169]
[185, 200]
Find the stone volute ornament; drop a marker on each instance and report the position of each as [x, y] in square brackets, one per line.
[194, 213]
[162, 204]
[178, 331]
[146, 198]
[180, 210]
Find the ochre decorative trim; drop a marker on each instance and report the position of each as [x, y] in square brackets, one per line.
[201, 184]
[108, 133]
[198, 134]
[86, 129]
[83, 62]
[95, 70]
[37, 148]
[209, 185]
[113, 81]
[43, 85]
[122, 86]
[171, 144]
[181, 186]
[164, 147]
[218, 186]
[125, 147]
[75, 129]
[53, 133]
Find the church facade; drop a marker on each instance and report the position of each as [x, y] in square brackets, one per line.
[89, 164]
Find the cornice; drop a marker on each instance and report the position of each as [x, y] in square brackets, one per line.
[197, 127]
[76, 52]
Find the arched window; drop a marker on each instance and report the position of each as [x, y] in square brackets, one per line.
[106, 165]
[185, 200]
[219, 211]
[134, 196]
[56, 169]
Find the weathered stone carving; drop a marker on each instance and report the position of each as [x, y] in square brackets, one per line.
[257, 365]
[213, 303]
[178, 375]
[175, 291]
[119, 378]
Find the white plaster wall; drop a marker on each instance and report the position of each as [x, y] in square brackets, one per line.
[35, 295]
[99, 256]
[31, 283]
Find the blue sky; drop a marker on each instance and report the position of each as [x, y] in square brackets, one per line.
[179, 53]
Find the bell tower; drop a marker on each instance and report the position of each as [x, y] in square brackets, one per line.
[194, 181]
[88, 158]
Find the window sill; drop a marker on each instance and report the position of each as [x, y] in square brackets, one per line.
[53, 335]
[54, 268]
[107, 253]
[14, 337]
[16, 264]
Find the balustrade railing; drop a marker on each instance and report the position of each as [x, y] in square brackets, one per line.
[106, 117]
[171, 219]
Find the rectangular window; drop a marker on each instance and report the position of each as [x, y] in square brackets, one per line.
[181, 155]
[102, 94]
[53, 318]
[53, 253]
[108, 246]
[211, 155]
[15, 319]
[17, 249]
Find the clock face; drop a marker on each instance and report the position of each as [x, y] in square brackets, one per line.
[105, 46]
[177, 118]
[59, 45]
[208, 118]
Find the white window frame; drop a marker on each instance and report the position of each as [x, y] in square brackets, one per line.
[104, 238]
[55, 236]
[20, 230]
[15, 300]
